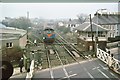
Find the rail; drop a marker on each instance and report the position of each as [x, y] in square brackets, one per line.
[63, 67]
[71, 46]
[49, 63]
[109, 59]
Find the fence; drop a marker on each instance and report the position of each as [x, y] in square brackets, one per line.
[109, 59]
[29, 65]
[30, 73]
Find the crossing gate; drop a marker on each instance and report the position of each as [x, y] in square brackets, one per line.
[109, 59]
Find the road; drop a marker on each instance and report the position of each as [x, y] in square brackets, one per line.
[89, 69]
[92, 69]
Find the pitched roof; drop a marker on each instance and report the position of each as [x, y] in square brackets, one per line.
[87, 27]
[74, 21]
[106, 18]
[8, 36]
[82, 26]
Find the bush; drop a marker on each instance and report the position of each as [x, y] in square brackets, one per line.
[12, 54]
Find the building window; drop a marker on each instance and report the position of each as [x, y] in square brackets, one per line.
[90, 34]
[117, 33]
[68, 25]
[110, 27]
[9, 45]
[113, 34]
[110, 34]
[113, 28]
[100, 34]
[74, 25]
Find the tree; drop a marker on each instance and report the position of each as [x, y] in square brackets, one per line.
[82, 17]
[21, 23]
[63, 29]
[6, 21]
[12, 54]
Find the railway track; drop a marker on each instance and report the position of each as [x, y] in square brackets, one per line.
[72, 53]
[68, 55]
[57, 53]
[35, 36]
[70, 48]
[51, 63]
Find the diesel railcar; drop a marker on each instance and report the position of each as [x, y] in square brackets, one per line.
[48, 35]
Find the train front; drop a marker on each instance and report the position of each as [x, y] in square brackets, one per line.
[48, 36]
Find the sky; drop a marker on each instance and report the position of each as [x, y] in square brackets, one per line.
[53, 10]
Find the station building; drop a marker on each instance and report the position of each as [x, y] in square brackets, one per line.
[84, 39]
[11, 37]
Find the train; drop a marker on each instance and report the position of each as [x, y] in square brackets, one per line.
[48, 35]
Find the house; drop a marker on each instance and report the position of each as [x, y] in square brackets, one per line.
[73, 24]
[110, 20]
[84, 39]
[11, 37]
[60, 23]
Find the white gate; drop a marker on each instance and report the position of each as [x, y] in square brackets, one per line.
[109, 59]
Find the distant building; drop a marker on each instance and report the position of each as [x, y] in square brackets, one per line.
[110, 20]
[11, 37]
[60, 23]
[73, 24]
[84, 39]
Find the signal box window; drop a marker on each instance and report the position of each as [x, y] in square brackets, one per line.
[9, 45]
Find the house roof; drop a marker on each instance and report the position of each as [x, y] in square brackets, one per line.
[74, 21]
[8, 36]
[87, 27]
[12, 31]
[8, 33]
[106, 18]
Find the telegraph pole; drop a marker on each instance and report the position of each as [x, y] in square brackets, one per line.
[27, 15]
[119, 29]
[28, 52]
[91, 32]
[27, 26]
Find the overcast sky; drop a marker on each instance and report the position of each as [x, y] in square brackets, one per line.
[53, 10]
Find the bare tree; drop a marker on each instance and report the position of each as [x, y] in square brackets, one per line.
[82, 17]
